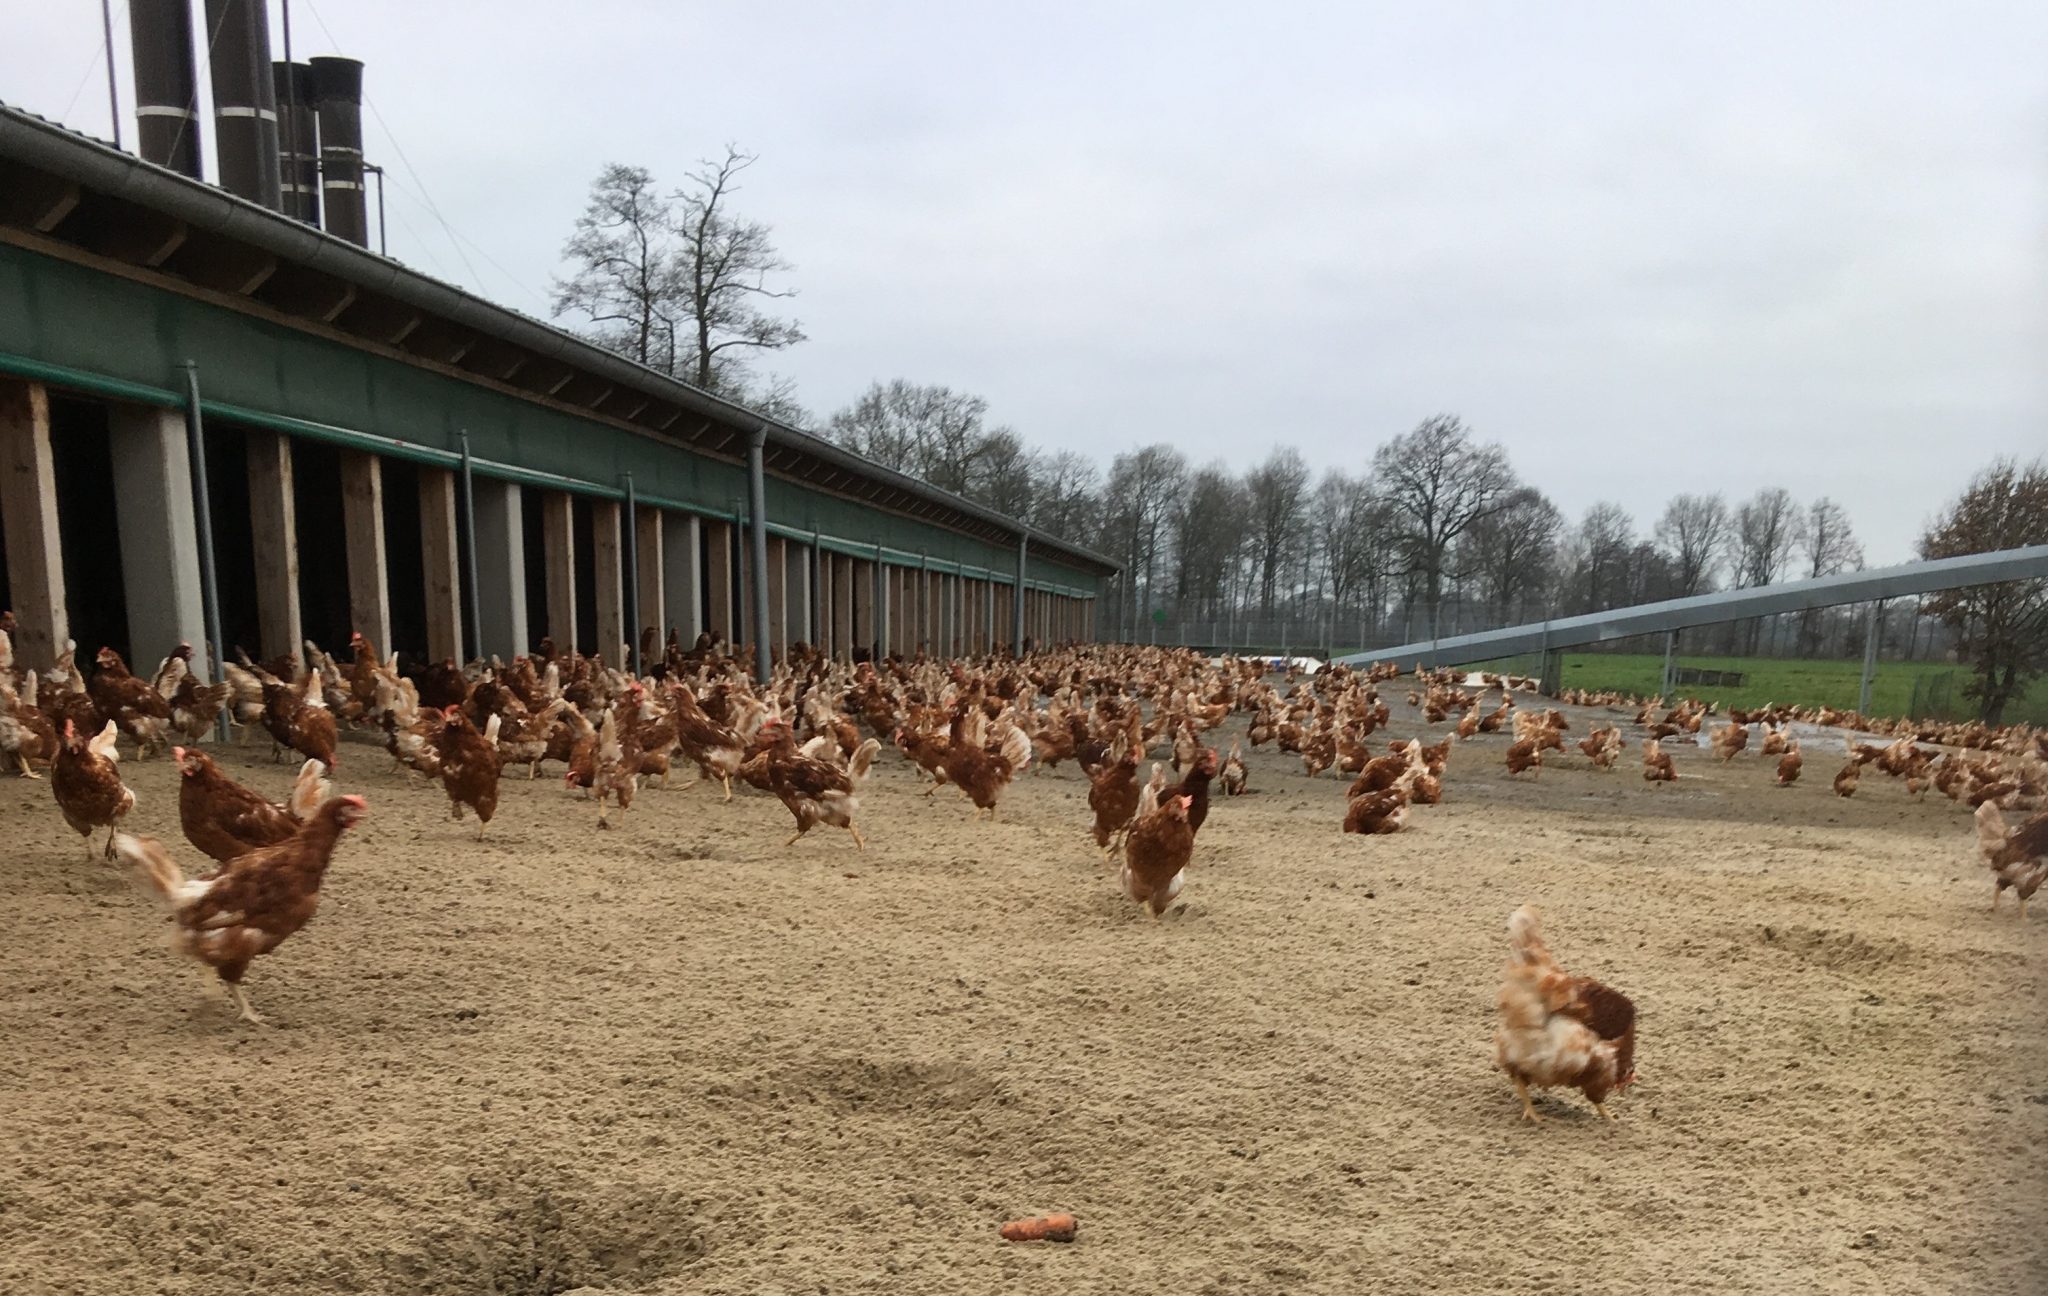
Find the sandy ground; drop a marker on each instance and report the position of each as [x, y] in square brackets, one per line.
[680, 1058]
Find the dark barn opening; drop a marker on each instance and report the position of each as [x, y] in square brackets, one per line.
[234, 542]
[405, 559]
[95, 599]
[322, 532]
[581, 526]
[534, 542]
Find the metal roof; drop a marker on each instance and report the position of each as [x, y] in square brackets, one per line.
[2030, 563]
[157, 220]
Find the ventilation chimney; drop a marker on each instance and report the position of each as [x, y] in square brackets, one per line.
[338, 93]
[166, 84]
[244, 107]
[298, 141]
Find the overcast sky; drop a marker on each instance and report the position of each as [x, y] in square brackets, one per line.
[1739, 246]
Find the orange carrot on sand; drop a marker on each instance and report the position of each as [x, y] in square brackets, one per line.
[1043, 1228]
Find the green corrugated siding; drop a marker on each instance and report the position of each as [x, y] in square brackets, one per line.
[130, 339]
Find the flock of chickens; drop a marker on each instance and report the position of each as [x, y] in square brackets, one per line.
[975, 726]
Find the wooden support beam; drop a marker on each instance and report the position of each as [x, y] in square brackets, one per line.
[441, 559]
[862, 632]
[362, 516]
[28, 506]
[718, 581]
[778, 596]
[683, 600]
[652, 554]
[501, 567]
[273, 523]
[159, 540]
[558, 541]
[842, 606]
[608, 564]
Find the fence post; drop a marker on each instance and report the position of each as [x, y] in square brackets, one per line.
[1670, 662]
[1870, 627]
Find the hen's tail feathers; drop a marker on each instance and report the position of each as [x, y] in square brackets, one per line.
[863, 757]
[1991, 830]
[157, 868]
[1525, 937]
[102, 745]
[309, 790]
[1017, 750]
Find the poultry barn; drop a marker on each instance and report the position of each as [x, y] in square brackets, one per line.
[207, 402]
[487, 819]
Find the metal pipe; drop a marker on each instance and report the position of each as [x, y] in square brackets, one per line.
[202, 509]
[476, 619]
[880, 627]
[1870, 628]
[113, 93]
[338, 102]
[757, 497]
[1670, 662]
[632, 539]
[1017, 620]
[244, 105]
[383, 248]
[166, 84]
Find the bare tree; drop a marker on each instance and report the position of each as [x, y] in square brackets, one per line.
[625, 278]
[724, 267]
[1277, 494]
[1831, 547]
[1604, 549]
[1066, 495]
[2002, 629]
[1510, 553]
[1206, 519]
[1441, 484]
[1768, 531]
[1143, 486]
[1694, 530]
[926, 430]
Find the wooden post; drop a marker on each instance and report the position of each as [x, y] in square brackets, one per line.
[681, 601]
[159, 532]
[843, 603]
[778, 596]
[861, 630]
[652, 556]
[610, 568]
[28, 506]
[273, 521]
[362, 508]
[558, 540]
[501, 568]
[440, 561]
[717, 537]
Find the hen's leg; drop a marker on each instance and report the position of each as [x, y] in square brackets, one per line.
[481, 824]
[859, 843]
[1528, 1107]
[1604, 1113]
[793, 839]
[242, 1001]
[728, 787]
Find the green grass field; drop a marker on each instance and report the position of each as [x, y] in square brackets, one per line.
[1796, 682]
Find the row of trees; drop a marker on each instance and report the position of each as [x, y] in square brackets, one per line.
[1435, 534]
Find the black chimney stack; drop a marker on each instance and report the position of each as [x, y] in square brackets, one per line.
[338, 93]
[244, 105]
[166, 84]
[298, 141]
